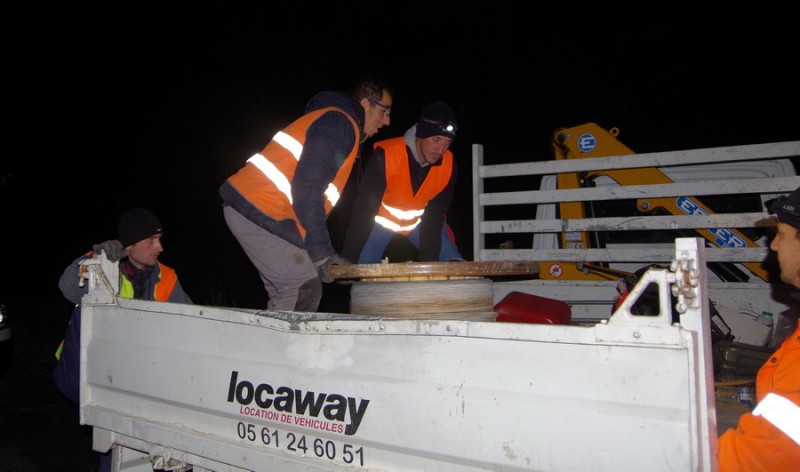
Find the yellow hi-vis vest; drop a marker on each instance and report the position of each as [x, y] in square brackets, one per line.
[166, 282]
[167, 278]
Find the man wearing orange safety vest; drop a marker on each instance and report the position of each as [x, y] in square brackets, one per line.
[277, 204]
[768, 439]
[406, 190]
[141, 277]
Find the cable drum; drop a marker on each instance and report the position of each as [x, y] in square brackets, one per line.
[462, 299]
[454, 290]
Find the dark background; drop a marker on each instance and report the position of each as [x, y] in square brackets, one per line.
[157, 105]
[154, 104]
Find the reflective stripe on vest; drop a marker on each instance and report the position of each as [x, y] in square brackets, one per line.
[278, 178]
[401, 209]
[414, 217]
[265, 179]
[125, 287]
[782, 413]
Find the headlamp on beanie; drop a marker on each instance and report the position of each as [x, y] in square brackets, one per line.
[437, 119]
[427, 128]
[445, 126]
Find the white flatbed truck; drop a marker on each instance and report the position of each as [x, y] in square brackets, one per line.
[182, 387]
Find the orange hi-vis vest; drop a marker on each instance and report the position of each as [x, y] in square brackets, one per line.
[266, 178]
[163, 288]
[401, 210]
[768, 438]
[167, 278]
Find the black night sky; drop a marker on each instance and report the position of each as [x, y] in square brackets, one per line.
[153, 104]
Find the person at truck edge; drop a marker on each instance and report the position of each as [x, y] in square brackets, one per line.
[768, 439]
[141, 276]
[277, 204]
[406, 190]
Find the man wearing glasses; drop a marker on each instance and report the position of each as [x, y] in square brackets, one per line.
[407, 188]
[276, 205]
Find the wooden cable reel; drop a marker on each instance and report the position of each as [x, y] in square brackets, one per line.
[445, 290]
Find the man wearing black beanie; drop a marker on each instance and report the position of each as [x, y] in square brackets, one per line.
[137, 247]
[141, 277]
[406, 190]
[768, 438]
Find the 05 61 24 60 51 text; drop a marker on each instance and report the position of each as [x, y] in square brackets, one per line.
[302, 444]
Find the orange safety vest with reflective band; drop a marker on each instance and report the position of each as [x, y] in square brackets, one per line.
[768, 439]
[266, 178]
[401, 210]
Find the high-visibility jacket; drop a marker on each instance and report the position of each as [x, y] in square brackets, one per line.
[768, 439]
[266, 179]
[401, 209]
[166, 279]
[163, 279]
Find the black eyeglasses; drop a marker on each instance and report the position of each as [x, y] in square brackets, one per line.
[386, 108]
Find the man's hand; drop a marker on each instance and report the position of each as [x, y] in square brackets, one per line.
[323, 266]
[113, 249]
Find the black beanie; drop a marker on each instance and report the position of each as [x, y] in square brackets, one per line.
[437, 119]
[787, 208]
[138, 224]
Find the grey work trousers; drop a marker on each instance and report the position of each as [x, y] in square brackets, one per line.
[287, 272]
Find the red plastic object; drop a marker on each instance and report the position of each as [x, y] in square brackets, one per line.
[518, 307]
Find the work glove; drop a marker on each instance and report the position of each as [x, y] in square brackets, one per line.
[113, 249]
[323, 266]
